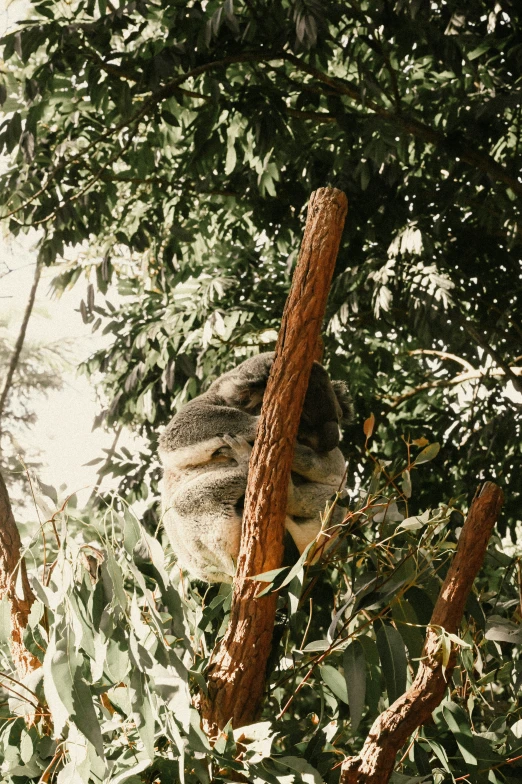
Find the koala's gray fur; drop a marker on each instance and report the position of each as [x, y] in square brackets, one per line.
[205, 451]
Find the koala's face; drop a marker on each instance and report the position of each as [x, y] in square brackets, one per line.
[243, 388]
[322, 438]
[319, 425]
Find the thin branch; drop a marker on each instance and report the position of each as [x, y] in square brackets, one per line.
[322, 117]
[15, 356]
[148, 105]
[465, 152]
[97, 176]
[444, 355]
[493, 353]
[461, 378]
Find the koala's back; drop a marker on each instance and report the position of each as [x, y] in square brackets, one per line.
[201, 421]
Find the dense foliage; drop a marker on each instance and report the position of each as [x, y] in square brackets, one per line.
[39, 371]
[170, 148]
[124, 640]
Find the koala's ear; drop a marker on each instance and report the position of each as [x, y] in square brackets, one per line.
[240, 393]
[344, 402]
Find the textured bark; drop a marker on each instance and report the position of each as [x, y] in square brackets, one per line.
[236, 675]
[390, 731]
[15, 585]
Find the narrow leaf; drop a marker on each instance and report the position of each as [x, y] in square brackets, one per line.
[354, 664]
[393, 660]
[142, 710]
[427, 454]
[74, 692]
[457, 721]
[335, 681]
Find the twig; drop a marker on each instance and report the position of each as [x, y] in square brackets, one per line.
[444, 355]
[15, 357]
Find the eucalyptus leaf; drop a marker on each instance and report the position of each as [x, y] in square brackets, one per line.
[393, 659]
[335, 681]
[354, 665]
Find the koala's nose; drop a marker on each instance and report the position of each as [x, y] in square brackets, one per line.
[329, 438]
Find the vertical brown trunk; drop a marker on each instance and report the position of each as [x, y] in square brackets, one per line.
[15, 585]
[236, 675]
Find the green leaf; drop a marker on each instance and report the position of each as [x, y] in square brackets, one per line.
[482, 49]
[335, 681]
[131, 531]
[393, 660]
[142, 712]
[354, 664]
[502, 630]
[408, 627]
[117, 660]
[116, 576]
[406, 483]
[416, 522]
[307, 773]
[458, 723]
[73, 691]
[427, 454]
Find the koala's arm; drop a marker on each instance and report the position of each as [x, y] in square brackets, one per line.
[327, 468]
[202, 512]
[315, 479]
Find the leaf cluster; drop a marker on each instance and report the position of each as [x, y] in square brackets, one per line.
[167, 150]
[124, 640]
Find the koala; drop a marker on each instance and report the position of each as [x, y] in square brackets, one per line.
[205, 451]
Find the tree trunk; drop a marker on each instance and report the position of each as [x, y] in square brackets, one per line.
[236, 675]
[374, 765]
[15, 585]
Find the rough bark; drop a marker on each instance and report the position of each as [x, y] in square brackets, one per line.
[15, 585]
[374, 765]
[236, 675]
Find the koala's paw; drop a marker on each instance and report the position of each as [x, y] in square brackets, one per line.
[240, 448]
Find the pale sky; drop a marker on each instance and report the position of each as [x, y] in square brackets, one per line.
[11, 11]
[63, 432]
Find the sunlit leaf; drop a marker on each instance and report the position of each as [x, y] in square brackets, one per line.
[428, 453]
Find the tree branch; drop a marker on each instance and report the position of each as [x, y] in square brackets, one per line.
[374, 765]
[236, 674]
[464, 151]
[15, 585]
[461, 378]
[444, 355]
[15, 356]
